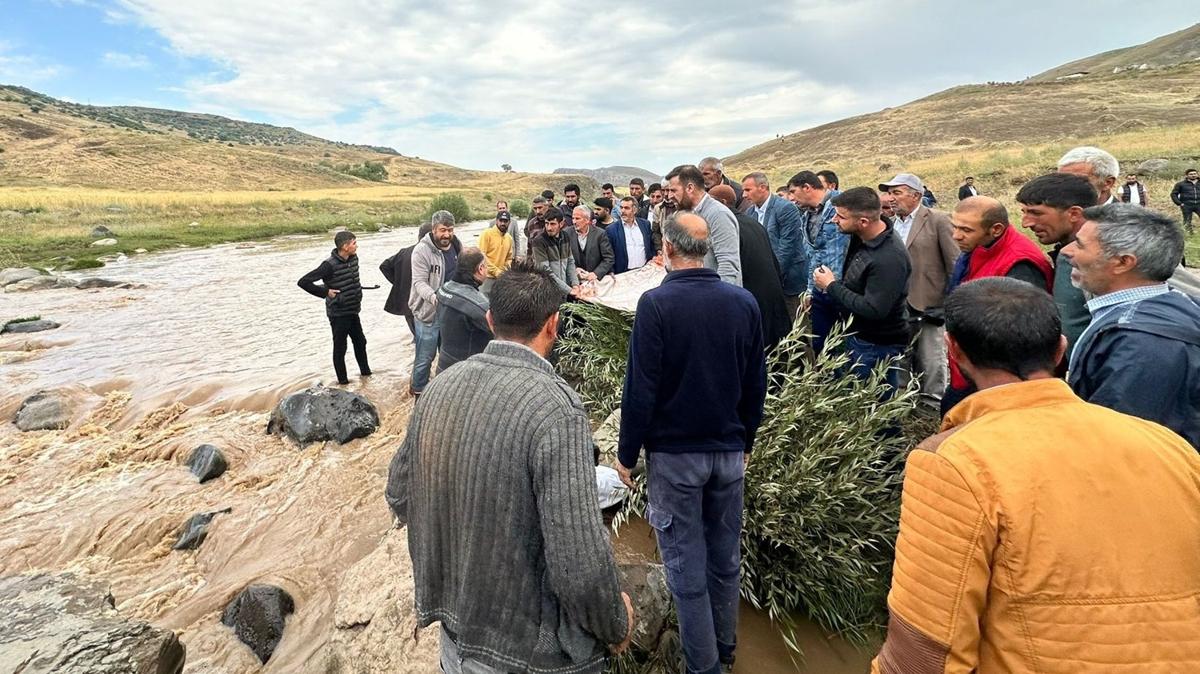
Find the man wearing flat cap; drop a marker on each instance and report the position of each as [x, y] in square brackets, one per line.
[928, 236]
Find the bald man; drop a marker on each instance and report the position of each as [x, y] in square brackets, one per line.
[693, 398]
[990, 247]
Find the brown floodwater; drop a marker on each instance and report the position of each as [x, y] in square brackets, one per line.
[198, 353]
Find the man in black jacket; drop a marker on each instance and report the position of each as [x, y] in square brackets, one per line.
[1186, 195]
[462, 311]
[590, 247]
[873, 289]
[342, 293]
[760, 271]
[397, 269]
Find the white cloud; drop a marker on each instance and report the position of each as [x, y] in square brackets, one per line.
[123, 61]
[23, 69]
[516, 76]
[541, 84]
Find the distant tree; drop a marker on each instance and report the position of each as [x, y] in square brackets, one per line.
[455, 203]
[507, 168]
[519, 208]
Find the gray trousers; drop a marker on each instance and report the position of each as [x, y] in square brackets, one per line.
[453, 662]
[927, 363]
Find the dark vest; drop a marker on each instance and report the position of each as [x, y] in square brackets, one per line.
[344, 279]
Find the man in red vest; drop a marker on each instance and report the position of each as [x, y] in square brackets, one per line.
[990, 247]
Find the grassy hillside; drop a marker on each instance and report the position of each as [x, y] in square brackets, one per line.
[1178, 47]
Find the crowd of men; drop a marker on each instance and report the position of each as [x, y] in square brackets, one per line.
[1055, 519]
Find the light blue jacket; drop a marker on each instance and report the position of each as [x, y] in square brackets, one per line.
[824, 243]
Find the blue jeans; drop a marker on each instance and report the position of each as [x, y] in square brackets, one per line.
[864, 356]
[696, 512]
[823, 313]
[453, 662]
[426, 342]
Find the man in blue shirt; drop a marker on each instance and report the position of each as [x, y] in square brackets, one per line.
[694, 390]
[824, 244]
[1141, 352]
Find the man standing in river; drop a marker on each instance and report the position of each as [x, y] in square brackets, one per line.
[342, 293]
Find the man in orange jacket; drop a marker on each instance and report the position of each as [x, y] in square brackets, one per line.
[1038, 532]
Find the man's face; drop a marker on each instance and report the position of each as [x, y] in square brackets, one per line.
[846, 221]
[502, 225]
[601, 213]
[636, 191]
[571, 199]
[1131, 179]
[1092, 271]
[824, 182]
[887, 205]
[553, 227]
[606, 193]
[1049, 224]
[581, 220]
[805, 195]
[686, 195]
[712, 177]
[905, 199]
[1102, 185]
[784, 193]
[1192, 176]
[501, 206]
[628, 211]
[442, 234]
[757, 193]
[540, 209]
[656, 197]
[350, 247]
[968, 230]
[970, 181]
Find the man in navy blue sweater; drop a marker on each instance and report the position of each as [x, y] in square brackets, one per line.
[694, 390]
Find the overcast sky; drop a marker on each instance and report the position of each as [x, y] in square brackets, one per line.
[541, 85]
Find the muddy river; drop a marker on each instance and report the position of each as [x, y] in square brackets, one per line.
[198, 353]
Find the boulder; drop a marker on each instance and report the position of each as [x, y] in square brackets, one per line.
[646, 585]
[1153, 166]
[195, 530]
[11, 276]
[63, 623]
[318, 414]
[43, 411]
[102, 232]
[40, 283]
[141, 250]
[258, 615]
[28, 326]
[105, 242]
[89, 283]
[207, 463]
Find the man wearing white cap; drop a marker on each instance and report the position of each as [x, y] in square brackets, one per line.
[929, 237]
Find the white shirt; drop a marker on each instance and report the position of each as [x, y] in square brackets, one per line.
[974, 192]
[762, 210]
[1135, 197]
[635, 245]
[903, 225]
[582, 239]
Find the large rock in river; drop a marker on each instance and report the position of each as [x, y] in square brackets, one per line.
[257, 616]
[43, 411]
[207, 463]
[11, 276]
[63, 623]
[318, 414]
[28, 326]
[40, 283]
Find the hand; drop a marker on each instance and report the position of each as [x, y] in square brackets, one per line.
[332, 293]
[625, 473]
[586, 275]
[620, 648]
[822, 277]
[745, 461]
[807, 302]
[658, 260]
[575, 291]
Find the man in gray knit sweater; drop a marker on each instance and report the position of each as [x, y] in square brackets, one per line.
[495, 481]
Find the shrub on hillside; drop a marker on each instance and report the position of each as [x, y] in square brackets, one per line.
[520, 208]
[374, 171]
[823, 485]
[447, 201]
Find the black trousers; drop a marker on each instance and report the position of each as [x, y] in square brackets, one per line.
[1188, 211]
[343, 327]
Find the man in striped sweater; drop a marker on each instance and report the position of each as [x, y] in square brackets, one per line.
[495, 481]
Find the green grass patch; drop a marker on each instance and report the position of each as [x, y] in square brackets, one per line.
[24, 319]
